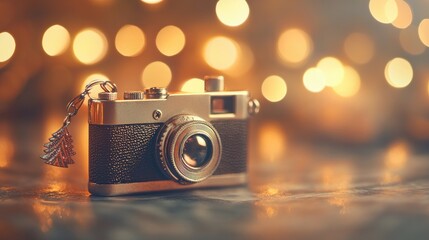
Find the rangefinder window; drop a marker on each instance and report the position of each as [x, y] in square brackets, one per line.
[222, 104]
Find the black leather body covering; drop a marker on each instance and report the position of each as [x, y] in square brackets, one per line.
[126, 153]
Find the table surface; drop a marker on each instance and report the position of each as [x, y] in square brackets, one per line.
[371, 195]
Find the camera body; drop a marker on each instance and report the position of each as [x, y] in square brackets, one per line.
[156, 141]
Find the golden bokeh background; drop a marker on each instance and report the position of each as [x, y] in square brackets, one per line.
[339, 74]
[344, 119]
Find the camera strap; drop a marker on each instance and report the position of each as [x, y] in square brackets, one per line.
[59, 150]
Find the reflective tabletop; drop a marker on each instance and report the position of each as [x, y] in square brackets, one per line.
[308, 192]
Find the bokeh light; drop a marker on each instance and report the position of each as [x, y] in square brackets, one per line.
[151, 1]
[336, 178]
[130, 41]
[221, 52]
[244, 62]
[232, 12]
[410, 42]
[384, 11]
[274, 88]
[56, 40]
[424, 32]
[47, 213]
[428, 87]
[193, 85]
[395, 160]
[350, 84]
[314, 80]
[405, 15]
[359, 47]
[294, 46]
[7, 46]
[398, 72]
[170, 40]
[333, 70]
[156, 74]
[396, 155]
[90, 46]
[272, 142]
[7, 150]
[96, 89]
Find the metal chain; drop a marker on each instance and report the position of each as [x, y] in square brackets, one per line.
[74, 105]
[59, 150]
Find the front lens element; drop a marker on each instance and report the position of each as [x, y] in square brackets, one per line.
[197, 151]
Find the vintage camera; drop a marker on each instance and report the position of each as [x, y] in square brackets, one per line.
[156, 141]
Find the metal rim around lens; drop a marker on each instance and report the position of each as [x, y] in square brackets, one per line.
[171, 141]
[186, 172]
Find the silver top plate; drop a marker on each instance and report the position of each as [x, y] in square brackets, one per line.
[116, 112]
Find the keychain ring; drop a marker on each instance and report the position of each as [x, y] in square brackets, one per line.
[109, 84]
[59, 150]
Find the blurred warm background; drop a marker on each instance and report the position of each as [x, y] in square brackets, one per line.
[344, 85]
[344, 90]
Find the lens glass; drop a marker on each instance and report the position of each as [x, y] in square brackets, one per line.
[197, 151]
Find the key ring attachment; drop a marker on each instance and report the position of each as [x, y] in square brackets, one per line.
[74, 105]
[59, 149]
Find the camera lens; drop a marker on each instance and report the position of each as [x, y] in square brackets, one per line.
[188, 149]
[197, 151]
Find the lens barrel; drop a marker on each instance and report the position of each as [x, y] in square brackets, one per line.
[188, 149]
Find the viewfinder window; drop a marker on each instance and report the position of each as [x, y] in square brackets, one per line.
[222, 104]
